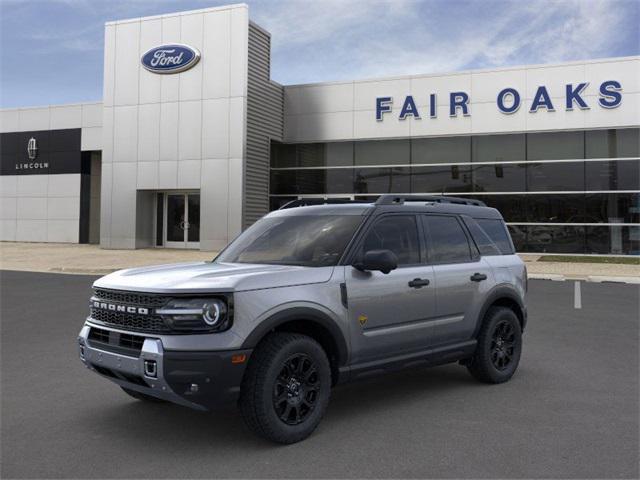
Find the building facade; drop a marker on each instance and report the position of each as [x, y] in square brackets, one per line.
[189, 157]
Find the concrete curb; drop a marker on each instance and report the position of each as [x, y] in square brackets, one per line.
[585, 278]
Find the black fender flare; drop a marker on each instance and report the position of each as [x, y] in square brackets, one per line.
[307, 314]
[497, 293]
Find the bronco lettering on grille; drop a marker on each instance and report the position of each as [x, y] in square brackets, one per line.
[120, 308]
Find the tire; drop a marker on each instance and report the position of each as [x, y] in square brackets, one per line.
[141, 396]
[499, 347]
[285, 390]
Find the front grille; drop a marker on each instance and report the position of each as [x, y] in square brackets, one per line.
[130, 298]
[129, 321]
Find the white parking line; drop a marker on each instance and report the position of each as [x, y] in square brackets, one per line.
[577, 295]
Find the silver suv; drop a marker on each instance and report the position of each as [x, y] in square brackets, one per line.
[309, 297]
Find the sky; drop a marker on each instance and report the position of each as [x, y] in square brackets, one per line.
[51, 51]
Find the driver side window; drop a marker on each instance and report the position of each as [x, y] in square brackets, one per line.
[398, 233]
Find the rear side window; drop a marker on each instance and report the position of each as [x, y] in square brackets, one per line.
[497, 232]
[446, 240]
[398, 233]
[481, 238]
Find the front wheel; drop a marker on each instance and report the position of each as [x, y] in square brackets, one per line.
[286, 388]
[499, 347]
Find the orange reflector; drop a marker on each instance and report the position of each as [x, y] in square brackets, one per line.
[238, 358]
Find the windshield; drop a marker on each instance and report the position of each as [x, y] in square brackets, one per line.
[305, 240]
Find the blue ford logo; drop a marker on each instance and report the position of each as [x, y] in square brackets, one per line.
[172, 58]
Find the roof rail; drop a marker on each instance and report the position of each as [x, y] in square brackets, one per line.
[400, 199]
[305, 202]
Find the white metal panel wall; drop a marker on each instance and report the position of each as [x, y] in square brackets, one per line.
[179, 131]
[346, 110]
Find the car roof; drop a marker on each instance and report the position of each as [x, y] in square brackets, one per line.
[407, 205]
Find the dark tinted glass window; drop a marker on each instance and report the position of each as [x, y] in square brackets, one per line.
[555, 145]
[382, 180]
[447, 240]
[441, 150]
[497, 232]
[382, 152]
[613, 240]
[499, 178]
[613, 143]
[612, 208]
[437, 179]
[287, 182]
[397, 233]
[613, 175]
[283, 155]
[512, 207]
[312, 241]
[563, 176]
[555, 208]
[548, 238]
[499, 148]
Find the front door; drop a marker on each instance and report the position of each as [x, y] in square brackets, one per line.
[182, 220]
[391, 314]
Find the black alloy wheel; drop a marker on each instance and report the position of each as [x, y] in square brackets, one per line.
[295, 392]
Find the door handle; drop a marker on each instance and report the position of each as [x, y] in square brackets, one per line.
[418, 283]
[478, 277]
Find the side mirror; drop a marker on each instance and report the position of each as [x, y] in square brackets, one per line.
[382, 260]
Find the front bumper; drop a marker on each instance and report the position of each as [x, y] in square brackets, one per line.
[201, 380]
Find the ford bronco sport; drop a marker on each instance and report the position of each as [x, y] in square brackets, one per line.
[309, 297]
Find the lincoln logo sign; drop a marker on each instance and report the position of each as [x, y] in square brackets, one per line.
[508, 101]
[172, 58]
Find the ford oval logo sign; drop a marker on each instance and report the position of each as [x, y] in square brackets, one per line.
[172, 58]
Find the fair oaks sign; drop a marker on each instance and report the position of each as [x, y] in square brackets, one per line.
[173, 58]
[508, 101]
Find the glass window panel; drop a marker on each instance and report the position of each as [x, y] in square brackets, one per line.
[447, 241]
[441, 150]
[438, 179]
[497, 232]
[556, 208]
[613, 143]
[398, 233]
[612, 208]
[555, 145]
[283, 182]
[499, 148]
[382, 152]
[276, 202]
[549, 238]
[499, 178]
[613, 175]
[613, 240]
[382, 180]
[283, 155]
[339, 154]
[193, 234]
[339, 180]
[512, 207]
[310, 154]
[542, 177]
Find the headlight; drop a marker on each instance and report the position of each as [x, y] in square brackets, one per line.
[196, 314]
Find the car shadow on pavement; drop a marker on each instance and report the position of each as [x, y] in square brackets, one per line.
[135, 421]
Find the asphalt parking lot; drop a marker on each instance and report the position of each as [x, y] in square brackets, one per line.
[570, 411]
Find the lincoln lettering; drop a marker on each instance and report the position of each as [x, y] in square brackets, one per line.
[508, 101]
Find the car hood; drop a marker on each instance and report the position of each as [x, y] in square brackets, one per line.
[212, 277]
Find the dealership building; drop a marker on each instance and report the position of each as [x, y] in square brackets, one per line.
[193, 142]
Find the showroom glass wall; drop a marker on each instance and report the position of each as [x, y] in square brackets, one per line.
[561, 192]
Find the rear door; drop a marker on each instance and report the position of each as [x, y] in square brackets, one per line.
[462, 278]
[387, 315]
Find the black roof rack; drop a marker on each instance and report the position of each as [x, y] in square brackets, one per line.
[400, 199]
[305, 202]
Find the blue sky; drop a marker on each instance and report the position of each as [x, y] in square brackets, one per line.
[51, 50]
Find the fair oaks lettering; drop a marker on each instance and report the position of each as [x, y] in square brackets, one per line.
[508, 101]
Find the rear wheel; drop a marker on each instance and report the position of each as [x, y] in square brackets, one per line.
[141, 396]
[499, 347]
[286, 388]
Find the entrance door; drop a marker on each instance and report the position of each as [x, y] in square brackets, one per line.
[182, 220]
